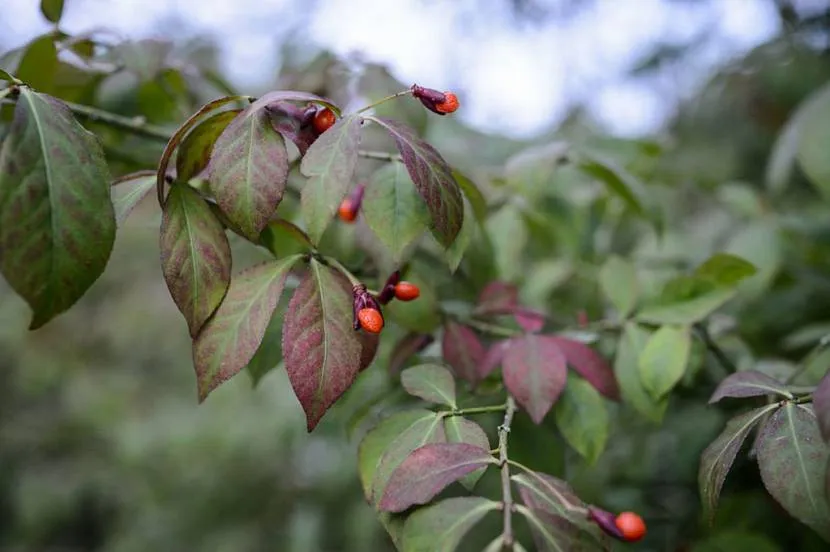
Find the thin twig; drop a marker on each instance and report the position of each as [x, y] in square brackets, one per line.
[492, 329]
[713, 348]
[136, 125]
[476, 410]
[507, 494]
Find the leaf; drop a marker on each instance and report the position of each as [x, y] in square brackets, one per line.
[462, 430]
[535, 372]
[57, 224]
[462, 349]
[686, 312]
[793, 461]
[289, 120]
[233, 335]
[588, 364]
[175, 140]
[664, 358]
[814, 122]
[248, 171]
[433, 179]
[430, 382]
[382, 436]
[321, 350]
[196, 148]
[393, 209]
[278, 96]
[407, 347]
[368, 349]
[129, 190]
[478, 203]
[441, 526]
[554, 533]
[783, 156]
[748, 383]
[276, 235]
[627, 369]
[427, 429]
[51, 9]
[39, 64]
[724, 269]
[428, 470]
[6, 76]
[717, 459]
[329, 164]
[493, 358]
[269, 353]
[821, 404]
[195, 256]
[497, 296]
[542, 492]
[582, 418]
[618, 281]
[455, 253]
[618, 180]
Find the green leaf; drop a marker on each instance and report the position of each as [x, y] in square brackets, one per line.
[196, 148]
[441, 526]
[430, 382]
[749, 383]
[664, 359]
[52, 10]
[329, 164]
[724, 269]
[433, 179]
[814, 123]
[145, 58]
[737, 541]
[269, 354]
[582, 418]
[717, 459]
[57, 224]
[508, 234]
[282, 237]
[627, 369]
[462, 430]
[618, 180]
[793, 460]
[686, 312]
[783, 156]
[129, 190]
[393, 209]
[323, 353]
[6, 76]
[471, 192]
[821, 404]
[195, 256]
[232, 336]
[249, 171]
[39, 64]
[456, 251]
[556, 534]
[381, 437]
[545, 493]
[618, 281]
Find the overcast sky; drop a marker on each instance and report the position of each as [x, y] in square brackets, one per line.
[520, 81]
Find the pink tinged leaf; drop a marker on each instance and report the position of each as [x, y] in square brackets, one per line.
[493, 358]
[329, 165]
[441, 527]
[717, 459]
[288, 120]
[433, 179]
[428, 471]
[232, 336]
[499, 296]
[821, 403]
[279, 96]
[535, 372]
[321, 350]
[369, 348]
[248, 171]
[130, 190]
[196, 148]
[543, 492]
[462, 430]
[462, 350]
[589, 364]
[195, 256]
[529, 320]
[748, 383]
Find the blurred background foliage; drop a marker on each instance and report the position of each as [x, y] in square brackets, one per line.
[102, 444]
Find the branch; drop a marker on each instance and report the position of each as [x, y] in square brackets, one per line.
[476, 410]
[380, 155]
[136, 125]
[507, 496]
[703, 334]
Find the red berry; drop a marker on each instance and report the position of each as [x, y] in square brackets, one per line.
[632, 526]
[370, 320]
[347, 211]
[323, 120]
[449, 105]
[407, 291]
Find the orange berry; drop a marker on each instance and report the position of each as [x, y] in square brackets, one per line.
[449, 105]
[347, 212]
[632, 526]
[407, 291]
[370, 320]
[323, 120]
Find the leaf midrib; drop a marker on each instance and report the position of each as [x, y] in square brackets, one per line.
[47, 167]
[797, 447]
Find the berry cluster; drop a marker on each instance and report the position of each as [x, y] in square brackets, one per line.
[366, 307]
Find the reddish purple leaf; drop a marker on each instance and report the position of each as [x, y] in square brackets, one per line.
[428, 471]
[535, 372]
[462, 430]
[248, 171]
[588, 364]
[821, 404]
[278, 96]
[529, 319]
[433, 179]
[552, 533]
[289, 120]
[321, 350]
[407, 347]
[748, 383]
[232, 336]
[462, 350]
[540, 491]
[497, 295]
[195, 256]
[493, 358]
[369, 343]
